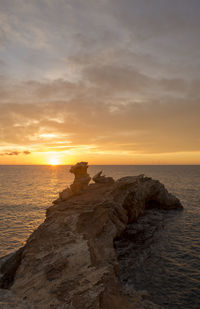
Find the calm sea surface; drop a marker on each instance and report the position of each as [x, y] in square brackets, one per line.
[171, 274]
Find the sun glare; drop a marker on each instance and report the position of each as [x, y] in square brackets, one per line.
[54, 161]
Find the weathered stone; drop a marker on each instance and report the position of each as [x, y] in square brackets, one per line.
[65, 194]
[8, 268]
[70, 261]
[82, 178]
[98, 178]
[80, 183]
[8, 300]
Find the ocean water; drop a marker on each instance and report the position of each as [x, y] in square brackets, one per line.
[170, 272]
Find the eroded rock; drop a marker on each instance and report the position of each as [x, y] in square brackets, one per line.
[82, 178]
[80, 183]
[70, 261]
[99, 178]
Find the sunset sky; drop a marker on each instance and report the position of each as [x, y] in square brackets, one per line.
[106, 81]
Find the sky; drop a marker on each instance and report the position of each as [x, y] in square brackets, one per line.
[107, 81]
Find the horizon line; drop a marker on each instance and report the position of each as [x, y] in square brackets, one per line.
[173, 164]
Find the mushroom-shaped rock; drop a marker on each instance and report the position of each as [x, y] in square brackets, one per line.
[98, 178]
[82, 178]
[81, 181]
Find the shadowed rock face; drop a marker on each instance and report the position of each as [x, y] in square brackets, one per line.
[8, 268]
[70, 261]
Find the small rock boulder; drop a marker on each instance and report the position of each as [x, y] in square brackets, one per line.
[98, 178]
[65, 194]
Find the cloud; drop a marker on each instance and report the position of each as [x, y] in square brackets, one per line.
[146, 127]
[15, 153]
[39, 36]
[99, 82]
[113, 108]
[26, 152]
[105, 75]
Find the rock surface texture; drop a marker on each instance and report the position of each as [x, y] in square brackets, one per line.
[70, 261]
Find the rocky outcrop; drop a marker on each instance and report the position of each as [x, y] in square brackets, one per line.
[136, 246]
[82, 178]
[80, 183]
[70, 261]
[99, 178]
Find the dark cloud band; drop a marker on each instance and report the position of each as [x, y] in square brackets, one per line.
[15, 153]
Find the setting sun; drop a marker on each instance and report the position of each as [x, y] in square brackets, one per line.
[54, 161]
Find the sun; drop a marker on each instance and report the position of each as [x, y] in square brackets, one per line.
[54, 161]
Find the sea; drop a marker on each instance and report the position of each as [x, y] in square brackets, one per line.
[169, 273]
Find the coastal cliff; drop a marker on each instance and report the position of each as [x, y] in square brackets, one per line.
[70, 260]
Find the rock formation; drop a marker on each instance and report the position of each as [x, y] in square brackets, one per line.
[70, 261]
[80, 183]
[82, 178]
[98, 178]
